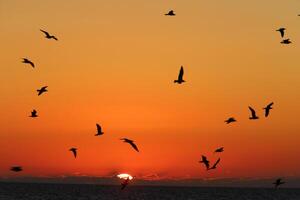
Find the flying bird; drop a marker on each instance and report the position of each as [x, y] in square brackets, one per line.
[230, 120]
[27, 61]
[131, 142]
[215, 165]
[124, 183]
[219, 150]
[267, 109]
[180, 76]
[74, 151]
[16, 168]
[170, 13]
[99, 130]
[33, 113]
[281, 30]
[48, 36]
[253, 113]
[278, 182]
[205, 162]
[286, 41]
[42, 90]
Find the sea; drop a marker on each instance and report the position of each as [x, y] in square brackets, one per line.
[36, 191]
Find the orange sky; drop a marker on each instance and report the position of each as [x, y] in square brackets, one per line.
[115, 63]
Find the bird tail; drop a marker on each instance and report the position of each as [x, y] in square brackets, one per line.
[176, 81]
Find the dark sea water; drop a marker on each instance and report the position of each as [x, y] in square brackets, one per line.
[22, 191]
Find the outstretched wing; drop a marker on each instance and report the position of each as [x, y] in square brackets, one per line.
[271, 104]
[281, 32]
[216, 163]
[45, 32]
[181, 72]
[253, 113]
[99, 130]
[134, 145]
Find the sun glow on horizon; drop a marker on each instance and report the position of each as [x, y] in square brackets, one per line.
[125, 176]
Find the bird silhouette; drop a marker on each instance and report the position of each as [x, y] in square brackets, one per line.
[286, 41]
[42, 90]
[219, 150]
[205, 162]
[27, 61]
[74, 151]
[180, 76]
[48, 36]
[215, 165]
[281, 30]
[253, 113]
[16, 168]
[278, 182]
[267, 109]
[99, 130]
[33, 113]
[125, 183]
[131, 142]
[170, 13]
[230, 120]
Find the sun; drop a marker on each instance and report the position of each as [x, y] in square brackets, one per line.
[125, 176]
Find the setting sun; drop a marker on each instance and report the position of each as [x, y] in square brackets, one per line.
[125, 176]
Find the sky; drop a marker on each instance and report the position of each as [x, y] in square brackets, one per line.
[114, 64]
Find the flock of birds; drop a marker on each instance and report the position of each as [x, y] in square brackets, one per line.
[204, 160]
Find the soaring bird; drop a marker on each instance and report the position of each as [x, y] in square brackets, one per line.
[27, 61]
[205, 162]
[33, 113]
[16, 168]
[286, 41]
[180, 76]
[99, 130]
[215, 165]
[281, 30]
[48, 36]
[219, 150]
[42, 90]
[74, 151]
[125, 183]
[267, 109]
[230, 120]
[170, 13]
[253, 113]
[278, 182]
[131, 142]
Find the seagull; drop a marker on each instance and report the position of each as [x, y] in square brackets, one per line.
[131, 142]
[170, 13]
[48, 36]
[42, 90]
[33, 113]
[230, 120]
[99, 130]
[253, 114]
[180, 76]
[16, 168]
[27, 61]
[205, 162]
[286, 41]
[215, 165]
[125, 183]
[278, 182]
[74, 151]
[281, 30]
[219, 150]
[267, 109]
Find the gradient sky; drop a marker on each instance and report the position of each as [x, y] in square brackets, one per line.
[115, 63]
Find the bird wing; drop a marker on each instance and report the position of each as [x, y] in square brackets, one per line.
[34, 112]
[74, 152]
[216, 163]
[46, 33]
[252, 111]
[180, 76]
[271, 104]
[281, 32]
[99, 130]
[133, 145]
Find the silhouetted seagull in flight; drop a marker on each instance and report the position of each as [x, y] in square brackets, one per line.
[74, 151]
[125, 183]
[230, 120]
[215, 165]
[286, 41]
[131, 142]
[16, 168]
[219, 150]
[281, 30]
[42, 90]
[33, 113]
[48, 36]
[267, 109]
[170, 13]
[27, 61]
[278, 182]
[253, 113]
[180, 76]
[99, 130]
[205, 162]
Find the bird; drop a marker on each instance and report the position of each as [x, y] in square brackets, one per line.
[267, 109]
[286, 41]
[99, 130]
[205, 162]
[219, 150]
[131, 142]
[180, 76]
[230, 120]
[253, 113]
[27, 61]
[48, 36]
[42, 90]
[215, 165]
[33, 113]
[74, 151]
[281, 30]
[278, 182]
[170, 13]
[16, 168]
[125, 183]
